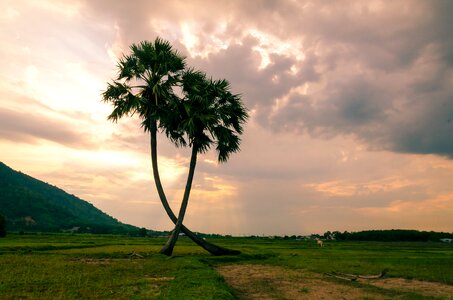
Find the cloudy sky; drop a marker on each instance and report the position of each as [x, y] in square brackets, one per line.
[351, 106]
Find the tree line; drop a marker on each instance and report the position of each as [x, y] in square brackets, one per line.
[394, 235]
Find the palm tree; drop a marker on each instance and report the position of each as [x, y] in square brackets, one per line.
[208, 115]
[145, 86]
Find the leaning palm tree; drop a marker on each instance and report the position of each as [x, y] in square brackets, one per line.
[145, 86]
[208, 115]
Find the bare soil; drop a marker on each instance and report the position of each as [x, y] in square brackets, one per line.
[426, 288]
[274, 282]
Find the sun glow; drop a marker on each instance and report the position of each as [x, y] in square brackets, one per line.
[171, 170]
[188, 39]
[269, 45]
[115, 50]
[213, 189]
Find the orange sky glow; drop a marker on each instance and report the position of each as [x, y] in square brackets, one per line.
[351, 107]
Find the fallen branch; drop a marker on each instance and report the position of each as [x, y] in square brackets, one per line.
[341, 277]
[135, 255]
[352, 277]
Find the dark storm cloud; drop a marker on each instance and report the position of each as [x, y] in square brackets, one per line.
[385, 77]
[379, 71]
[27, 127]
[404, 122]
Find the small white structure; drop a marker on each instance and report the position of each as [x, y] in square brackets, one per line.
[447, 240]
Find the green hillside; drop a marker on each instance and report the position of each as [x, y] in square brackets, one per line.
[31, 205]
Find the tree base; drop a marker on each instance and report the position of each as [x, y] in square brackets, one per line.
[166, 250]
[220, 251]
[171, 242]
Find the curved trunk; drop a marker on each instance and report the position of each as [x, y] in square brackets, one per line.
[168, 248]
[211, 248]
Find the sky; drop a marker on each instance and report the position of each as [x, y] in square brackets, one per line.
[350, 102]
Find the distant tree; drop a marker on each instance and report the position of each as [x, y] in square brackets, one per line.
[336, 235]
[327, 235]
[394, 235]
[315, 236]
[142, 232]
[2, 226]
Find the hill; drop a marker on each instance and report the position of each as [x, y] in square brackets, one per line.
[31, 205]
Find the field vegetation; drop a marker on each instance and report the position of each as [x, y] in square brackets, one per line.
[75, 266]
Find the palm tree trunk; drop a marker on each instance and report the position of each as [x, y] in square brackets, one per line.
[168, 248]
[211, 248]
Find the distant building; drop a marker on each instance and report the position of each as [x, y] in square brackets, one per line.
[446, 240]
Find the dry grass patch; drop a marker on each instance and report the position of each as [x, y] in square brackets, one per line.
[273, 282]
[425, 288]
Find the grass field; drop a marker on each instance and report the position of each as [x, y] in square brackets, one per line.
[57, 266]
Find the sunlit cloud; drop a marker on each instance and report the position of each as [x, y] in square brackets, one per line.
[442, 202]
[117, 48]
[213, 189]
[69, 9]
[269, 44]
[344, 189]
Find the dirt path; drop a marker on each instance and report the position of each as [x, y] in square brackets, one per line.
[273, 282]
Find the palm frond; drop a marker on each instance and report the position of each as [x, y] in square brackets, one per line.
[145, 85]
[212, 114]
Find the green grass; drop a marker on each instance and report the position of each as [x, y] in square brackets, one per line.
[65, 266]
[411, 260]
[96, 266]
